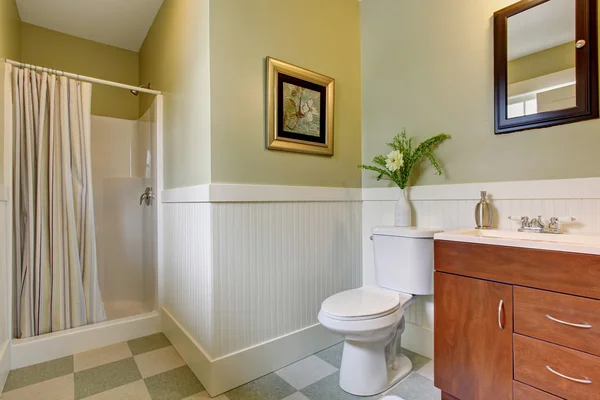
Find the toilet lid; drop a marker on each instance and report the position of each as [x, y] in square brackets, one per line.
[362, 303]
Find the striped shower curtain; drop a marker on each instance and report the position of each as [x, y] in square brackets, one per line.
[55, 265]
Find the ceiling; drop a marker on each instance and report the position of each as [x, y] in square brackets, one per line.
[120, 23]
[539, 28]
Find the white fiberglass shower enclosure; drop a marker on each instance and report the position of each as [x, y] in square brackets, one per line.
[125, 165]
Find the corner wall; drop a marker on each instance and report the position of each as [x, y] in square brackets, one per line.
[428, 66]
[175, 59]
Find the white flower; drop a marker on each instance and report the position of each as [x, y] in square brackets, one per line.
[394, 161]
[308, 110]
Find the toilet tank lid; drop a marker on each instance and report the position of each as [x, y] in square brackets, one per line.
[405, 231]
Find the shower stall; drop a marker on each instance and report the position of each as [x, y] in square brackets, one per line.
[124, 170]
[126, 184]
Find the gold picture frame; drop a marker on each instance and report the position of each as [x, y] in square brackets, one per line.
[300, 109]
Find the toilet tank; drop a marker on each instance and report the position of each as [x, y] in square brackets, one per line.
[404, 258]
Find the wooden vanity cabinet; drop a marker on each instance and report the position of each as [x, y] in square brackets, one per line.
[473, 337]
[515, 323]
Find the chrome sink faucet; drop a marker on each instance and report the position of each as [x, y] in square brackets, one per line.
[537, 225]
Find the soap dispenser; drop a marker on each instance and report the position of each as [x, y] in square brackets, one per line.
[483, 213]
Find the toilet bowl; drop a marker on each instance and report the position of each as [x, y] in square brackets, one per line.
[371, 319]
[368, 318]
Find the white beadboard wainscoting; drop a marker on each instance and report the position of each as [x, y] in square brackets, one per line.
[451, 207]
[275, 263]
[243, 281]
[187, 269]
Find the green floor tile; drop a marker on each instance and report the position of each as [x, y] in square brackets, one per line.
[106, 377]
[22, 377]
[417, 360]
[333, 355]
[416, 387]
[269, 387]
[176, 384]
[329, 389]
[148, 343]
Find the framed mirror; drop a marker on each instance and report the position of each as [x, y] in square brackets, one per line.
[545, 64]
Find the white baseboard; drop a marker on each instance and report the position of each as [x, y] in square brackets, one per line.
[230, 371]
[4, 363]
[418, 340]
[34, 350]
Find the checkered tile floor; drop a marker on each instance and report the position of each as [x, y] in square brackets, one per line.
[149, 368]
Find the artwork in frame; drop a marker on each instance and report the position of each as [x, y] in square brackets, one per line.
[299, 109]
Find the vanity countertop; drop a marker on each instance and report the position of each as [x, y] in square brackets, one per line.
[571, 243]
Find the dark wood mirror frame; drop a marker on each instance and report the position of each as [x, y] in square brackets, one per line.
[586, 59]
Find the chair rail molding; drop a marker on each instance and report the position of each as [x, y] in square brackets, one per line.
[231, 193]
[576, 188]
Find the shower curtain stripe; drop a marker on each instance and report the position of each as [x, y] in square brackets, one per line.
[55, 265]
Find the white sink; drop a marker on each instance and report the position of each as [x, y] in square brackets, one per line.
[575, 243]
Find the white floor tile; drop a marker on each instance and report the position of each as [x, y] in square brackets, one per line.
[297, 396]
[101, 356]
[158, 361]
[426, 370]
[306, 372]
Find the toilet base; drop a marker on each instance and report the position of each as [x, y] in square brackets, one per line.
[364, 371]
[402, 367]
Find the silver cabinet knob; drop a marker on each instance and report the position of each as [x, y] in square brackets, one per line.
[580, 44]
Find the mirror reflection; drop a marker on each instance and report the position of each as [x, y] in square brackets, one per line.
[541, 59]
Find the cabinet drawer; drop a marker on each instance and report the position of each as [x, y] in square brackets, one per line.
[571, 273]
[524, 392]
[558, 318]
[533, 360]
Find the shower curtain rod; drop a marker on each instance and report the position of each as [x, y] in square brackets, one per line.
[82, 78]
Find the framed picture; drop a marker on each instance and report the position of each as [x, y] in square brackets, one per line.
[299, 109]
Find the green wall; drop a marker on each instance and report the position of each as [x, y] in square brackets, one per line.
[10, 47]
[427, 66]
[10, 31]
[542, 63]
[175, 59]
[323, 36]
[57, 50]
[209, 61]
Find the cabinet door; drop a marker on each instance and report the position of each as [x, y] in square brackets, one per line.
[473, 337]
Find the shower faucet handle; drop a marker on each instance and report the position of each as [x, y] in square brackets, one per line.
[147, 197]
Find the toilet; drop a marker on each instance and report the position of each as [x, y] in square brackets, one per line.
[371, 319]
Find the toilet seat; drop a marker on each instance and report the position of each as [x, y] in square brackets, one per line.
[365, 303]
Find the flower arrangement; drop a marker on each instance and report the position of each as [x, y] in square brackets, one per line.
[398, 164]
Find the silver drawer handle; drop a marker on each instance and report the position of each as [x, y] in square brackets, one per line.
[500, 306]
[551, 318]
[586, 380]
